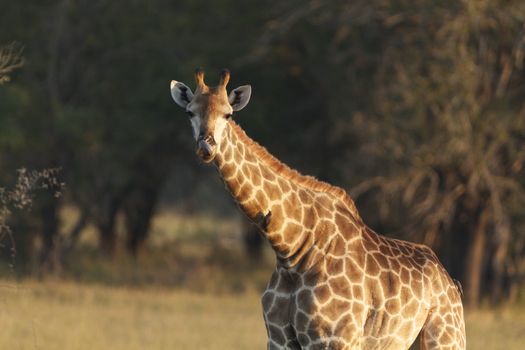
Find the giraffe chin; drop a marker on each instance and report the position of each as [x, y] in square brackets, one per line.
[206, 152]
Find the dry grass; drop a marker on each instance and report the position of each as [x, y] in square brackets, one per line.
[193, 288]
[68, 316]
[73, 316]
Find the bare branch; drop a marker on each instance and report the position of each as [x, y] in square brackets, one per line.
[10, 59]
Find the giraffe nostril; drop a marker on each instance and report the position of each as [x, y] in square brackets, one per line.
[206, 147]
[210, 140]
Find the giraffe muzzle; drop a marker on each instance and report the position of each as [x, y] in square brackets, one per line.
[206, 148]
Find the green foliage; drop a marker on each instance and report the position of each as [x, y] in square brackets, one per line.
[418, 106]
[425, 108]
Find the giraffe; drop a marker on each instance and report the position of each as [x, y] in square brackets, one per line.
[337, 284]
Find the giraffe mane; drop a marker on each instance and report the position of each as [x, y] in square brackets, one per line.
[305, 181]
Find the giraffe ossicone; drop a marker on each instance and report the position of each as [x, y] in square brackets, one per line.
[337, 284]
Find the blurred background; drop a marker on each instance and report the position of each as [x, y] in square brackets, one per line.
[109, 224]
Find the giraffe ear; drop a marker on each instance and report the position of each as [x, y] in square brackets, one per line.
[240, 97]
[181, 93]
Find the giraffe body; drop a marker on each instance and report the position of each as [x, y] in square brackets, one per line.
[337, 284]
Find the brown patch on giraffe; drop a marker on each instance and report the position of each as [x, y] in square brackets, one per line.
[417, 288]
[336, 266]
[411, 308]
[405, 330]
[345, 225]
[292, 209]
[340, 286]
[311, 279]
[353, 272]
[338, 246]
[279, 312]
[245, 174]
[416, 275]
[446, 337]
[302, 253]
[322, 293]
[238, 158]
[393, 305]
[336, 345]
[249, 157]
[357, 308]
[371, 265]
[404, 274]
[227, 170]
[373, 237]
[405, 294]
[325, 202]
[268, 175]
[369, 246]
[271, 190]
[283, 185]
[381, 260]
[241, 149]
[384, 249]
[309, 217]
[273, 280]
[404, 249]
[228, 154]
[277, 219]
[267, 300]
[305, 197]
[322, 212]
[391, 284]
[345, 328]
[357, 292]
[394, 265]
[255, 177]
[395, 252]
[301, 321]
[261, 199]
[303, 339]
[292, 231]
[245, 192]
[305, 299]
[334, 308]
[276, 334]
[374, 292]
[318, 328]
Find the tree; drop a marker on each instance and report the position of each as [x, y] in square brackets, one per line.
[425, 100]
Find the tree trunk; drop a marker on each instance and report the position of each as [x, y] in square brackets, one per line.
[138, 212]
[49, 254]
[474, 261]
[107, 237]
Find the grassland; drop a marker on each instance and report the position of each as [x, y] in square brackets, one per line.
[193, 288]
[72, 316]
[59, 315]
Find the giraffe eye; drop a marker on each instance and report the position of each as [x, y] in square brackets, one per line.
[190, 113]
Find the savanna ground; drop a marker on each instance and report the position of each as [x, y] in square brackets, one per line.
[193, 288]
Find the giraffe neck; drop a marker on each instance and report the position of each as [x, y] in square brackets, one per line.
[290, 209]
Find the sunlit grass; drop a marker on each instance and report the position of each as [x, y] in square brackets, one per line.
[59, 315]
[68, 316]
[193, 287]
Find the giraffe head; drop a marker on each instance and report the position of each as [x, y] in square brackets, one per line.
[209, 109]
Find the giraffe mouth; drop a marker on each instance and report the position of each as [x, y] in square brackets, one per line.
[206, 149]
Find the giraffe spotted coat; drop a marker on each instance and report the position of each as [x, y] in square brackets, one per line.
[337, 284]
